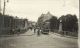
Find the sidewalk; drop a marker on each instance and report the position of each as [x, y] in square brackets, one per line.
[28, 33]
[64, 36]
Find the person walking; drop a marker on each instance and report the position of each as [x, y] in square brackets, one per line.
[34, 29]
[38, 32]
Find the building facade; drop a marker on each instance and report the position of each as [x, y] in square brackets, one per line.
[9, 24]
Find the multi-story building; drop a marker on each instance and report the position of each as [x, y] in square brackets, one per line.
[5, 23]
[19, 24]
[9, 24]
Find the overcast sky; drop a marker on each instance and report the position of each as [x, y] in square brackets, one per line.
[32, 9]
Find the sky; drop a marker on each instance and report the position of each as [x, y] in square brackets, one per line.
[32, 9]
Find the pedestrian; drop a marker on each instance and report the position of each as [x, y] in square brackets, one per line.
[34, 29]
[38, 32]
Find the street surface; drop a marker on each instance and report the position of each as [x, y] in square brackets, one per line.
[31, 40]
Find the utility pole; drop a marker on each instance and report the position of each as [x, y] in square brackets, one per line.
[4, 11]
[4, 6]
[0, 6]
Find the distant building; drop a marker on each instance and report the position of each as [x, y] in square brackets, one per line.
[43, 20]
[31, 24]
[47, 16]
